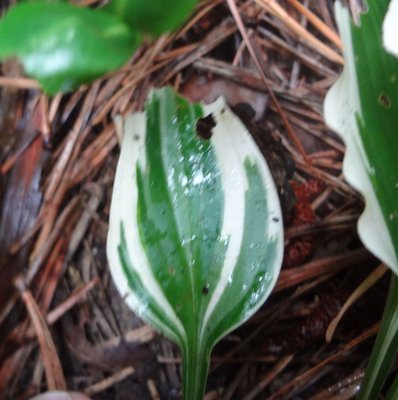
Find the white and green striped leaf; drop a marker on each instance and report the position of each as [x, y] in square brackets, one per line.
[362, 107]
[195, 240]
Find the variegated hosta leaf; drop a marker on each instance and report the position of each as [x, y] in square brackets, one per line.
[362, 107]
[195, 239]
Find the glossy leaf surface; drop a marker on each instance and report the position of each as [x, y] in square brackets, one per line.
[62, 45]
[363, 108]
[195, 240]
[155, 16]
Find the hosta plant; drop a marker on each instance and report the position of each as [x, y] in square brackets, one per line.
[195, 238]
[155, 16]
[363, 107]
[63, 45]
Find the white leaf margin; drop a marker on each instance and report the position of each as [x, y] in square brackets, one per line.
[342, 108]
[232, 144]
[390, 29]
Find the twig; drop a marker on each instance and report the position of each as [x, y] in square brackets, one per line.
[258, 63]
[18, 83]
[269, 376]
[371, 280]
[302, 34]
[109, 382]
[318, 23]
[152, 389]
[296, 382]
[294, 276]
[52, 365]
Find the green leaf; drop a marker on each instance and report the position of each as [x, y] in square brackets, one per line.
[64, 46]
[393, 392]
[155, 16]
[195, 239]
[363, 108]
[385, 348]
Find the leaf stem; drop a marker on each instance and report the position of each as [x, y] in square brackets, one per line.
[195, 366]
[385, 348]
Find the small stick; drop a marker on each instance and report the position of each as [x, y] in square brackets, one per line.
[11, 160]
[273, 40]
[275, 9]
[232, 386]
[256, 59]
[52, 365]
[371, 280]
[343, 384]
[269, 376]
[307, 375]
[110, 381]
[152, 389]
[42, 112]
[292, 277]
[342, 222]
[18, 83]
[317, 23]
[195, 19]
